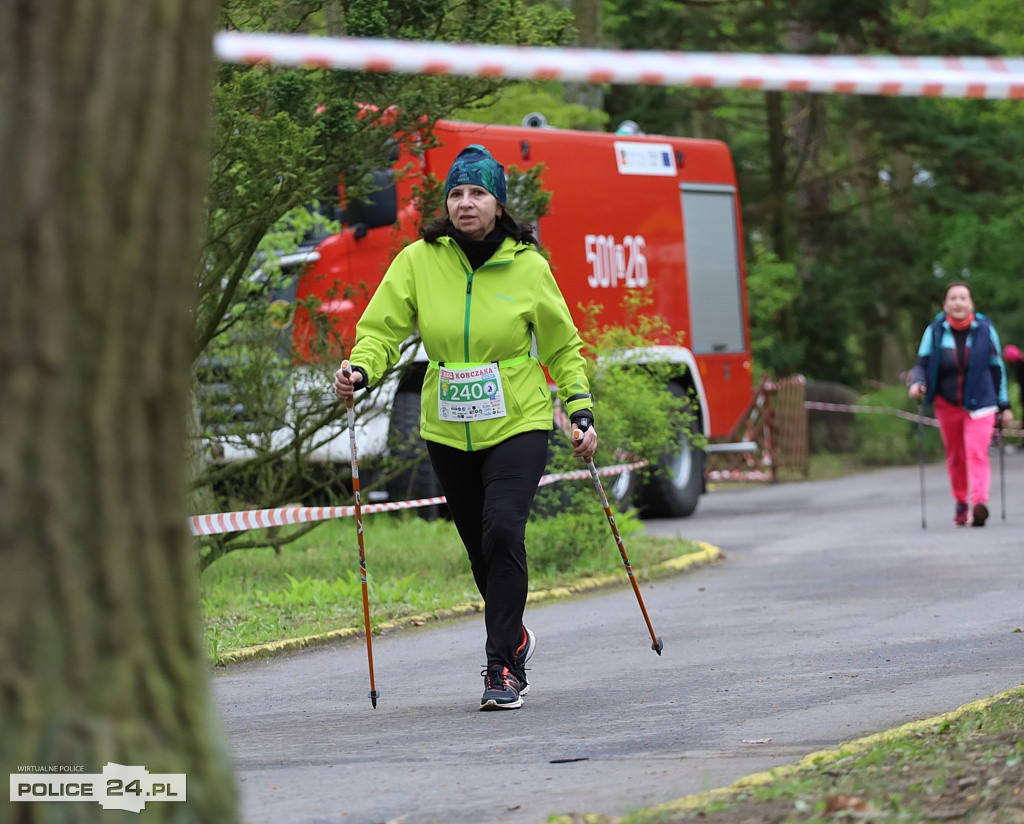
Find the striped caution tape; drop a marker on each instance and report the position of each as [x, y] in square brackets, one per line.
[246, 519]
[952, 77]
[888, 410]
[739, 475]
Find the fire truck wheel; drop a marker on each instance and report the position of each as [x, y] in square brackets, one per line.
[622, 489]
[554, 499]
[675, 488]
[405, 444]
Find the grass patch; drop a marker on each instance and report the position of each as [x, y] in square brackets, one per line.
[414, 567]
[963, 767]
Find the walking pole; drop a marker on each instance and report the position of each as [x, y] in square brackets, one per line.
[657, 645]
[346, 367]
[1002, 471]
[920, 441]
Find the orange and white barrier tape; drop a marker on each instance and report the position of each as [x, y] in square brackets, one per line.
[954, 77]
[243, 520]
[739, 475]
[888, 410]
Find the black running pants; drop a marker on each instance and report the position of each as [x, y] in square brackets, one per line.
[489, 495]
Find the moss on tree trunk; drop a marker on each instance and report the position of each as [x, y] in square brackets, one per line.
[103, 133]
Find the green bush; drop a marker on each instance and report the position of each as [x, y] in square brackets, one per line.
[885, 439]
[580, 540]
[827, 430]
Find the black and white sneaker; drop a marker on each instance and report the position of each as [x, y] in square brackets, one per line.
[501, 689]
[524, 652]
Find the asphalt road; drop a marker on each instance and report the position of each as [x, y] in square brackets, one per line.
[833, 615]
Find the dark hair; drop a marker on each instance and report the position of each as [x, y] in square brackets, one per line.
[966, 286]
[440, 225]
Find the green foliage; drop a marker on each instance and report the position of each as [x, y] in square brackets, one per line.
[628, 380]
[887, 440]
[987, 21]
[856, 209]
[283, 138]
[253, 394]
[579, 540]
[520, 99]
[282, 142]
[876, 201]
[633, 411]
[773, 288]
[414, 567]
[970, 761]
[882, 437]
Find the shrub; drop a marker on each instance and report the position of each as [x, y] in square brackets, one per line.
[580, 540]
[882, 439]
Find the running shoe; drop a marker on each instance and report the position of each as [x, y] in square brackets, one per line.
[960, 518]
[980, 514]
[524, 652]
[501, 689]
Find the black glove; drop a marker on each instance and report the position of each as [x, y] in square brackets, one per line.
[582, 420]
[365, 384]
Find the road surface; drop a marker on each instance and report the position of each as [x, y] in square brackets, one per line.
[833, 615]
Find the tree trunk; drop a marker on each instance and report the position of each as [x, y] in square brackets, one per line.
[776, 200]
[587, 15]
[811, 188]
[103, 131]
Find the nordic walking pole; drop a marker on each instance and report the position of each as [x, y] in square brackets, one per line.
[920, 441]
[1002, 471]
[346, 367]
[657, 645]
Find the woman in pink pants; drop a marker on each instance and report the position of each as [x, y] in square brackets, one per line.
[960, 371]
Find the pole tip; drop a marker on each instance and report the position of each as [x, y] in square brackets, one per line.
[658, 646]
[373, 698]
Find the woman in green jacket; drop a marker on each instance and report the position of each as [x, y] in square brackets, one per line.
[489, 314]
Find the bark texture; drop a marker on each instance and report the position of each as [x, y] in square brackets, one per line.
[103, 135]
[587, 14]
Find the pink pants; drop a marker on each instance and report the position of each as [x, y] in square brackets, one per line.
[966, 441]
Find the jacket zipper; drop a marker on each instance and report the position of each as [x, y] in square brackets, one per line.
[465, 328]
[465, 325]
[469, 302]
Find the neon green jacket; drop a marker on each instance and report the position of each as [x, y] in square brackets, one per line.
[477, 317]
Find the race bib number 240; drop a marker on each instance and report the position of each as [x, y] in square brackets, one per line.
[473, 394]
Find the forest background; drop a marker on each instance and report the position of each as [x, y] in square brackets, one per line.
[857, 210]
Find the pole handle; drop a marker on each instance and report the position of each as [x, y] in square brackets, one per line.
[346, 370]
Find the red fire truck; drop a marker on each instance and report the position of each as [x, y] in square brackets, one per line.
[629, 212]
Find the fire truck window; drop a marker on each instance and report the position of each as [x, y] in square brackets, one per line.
[380, 208]
[713, 269]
